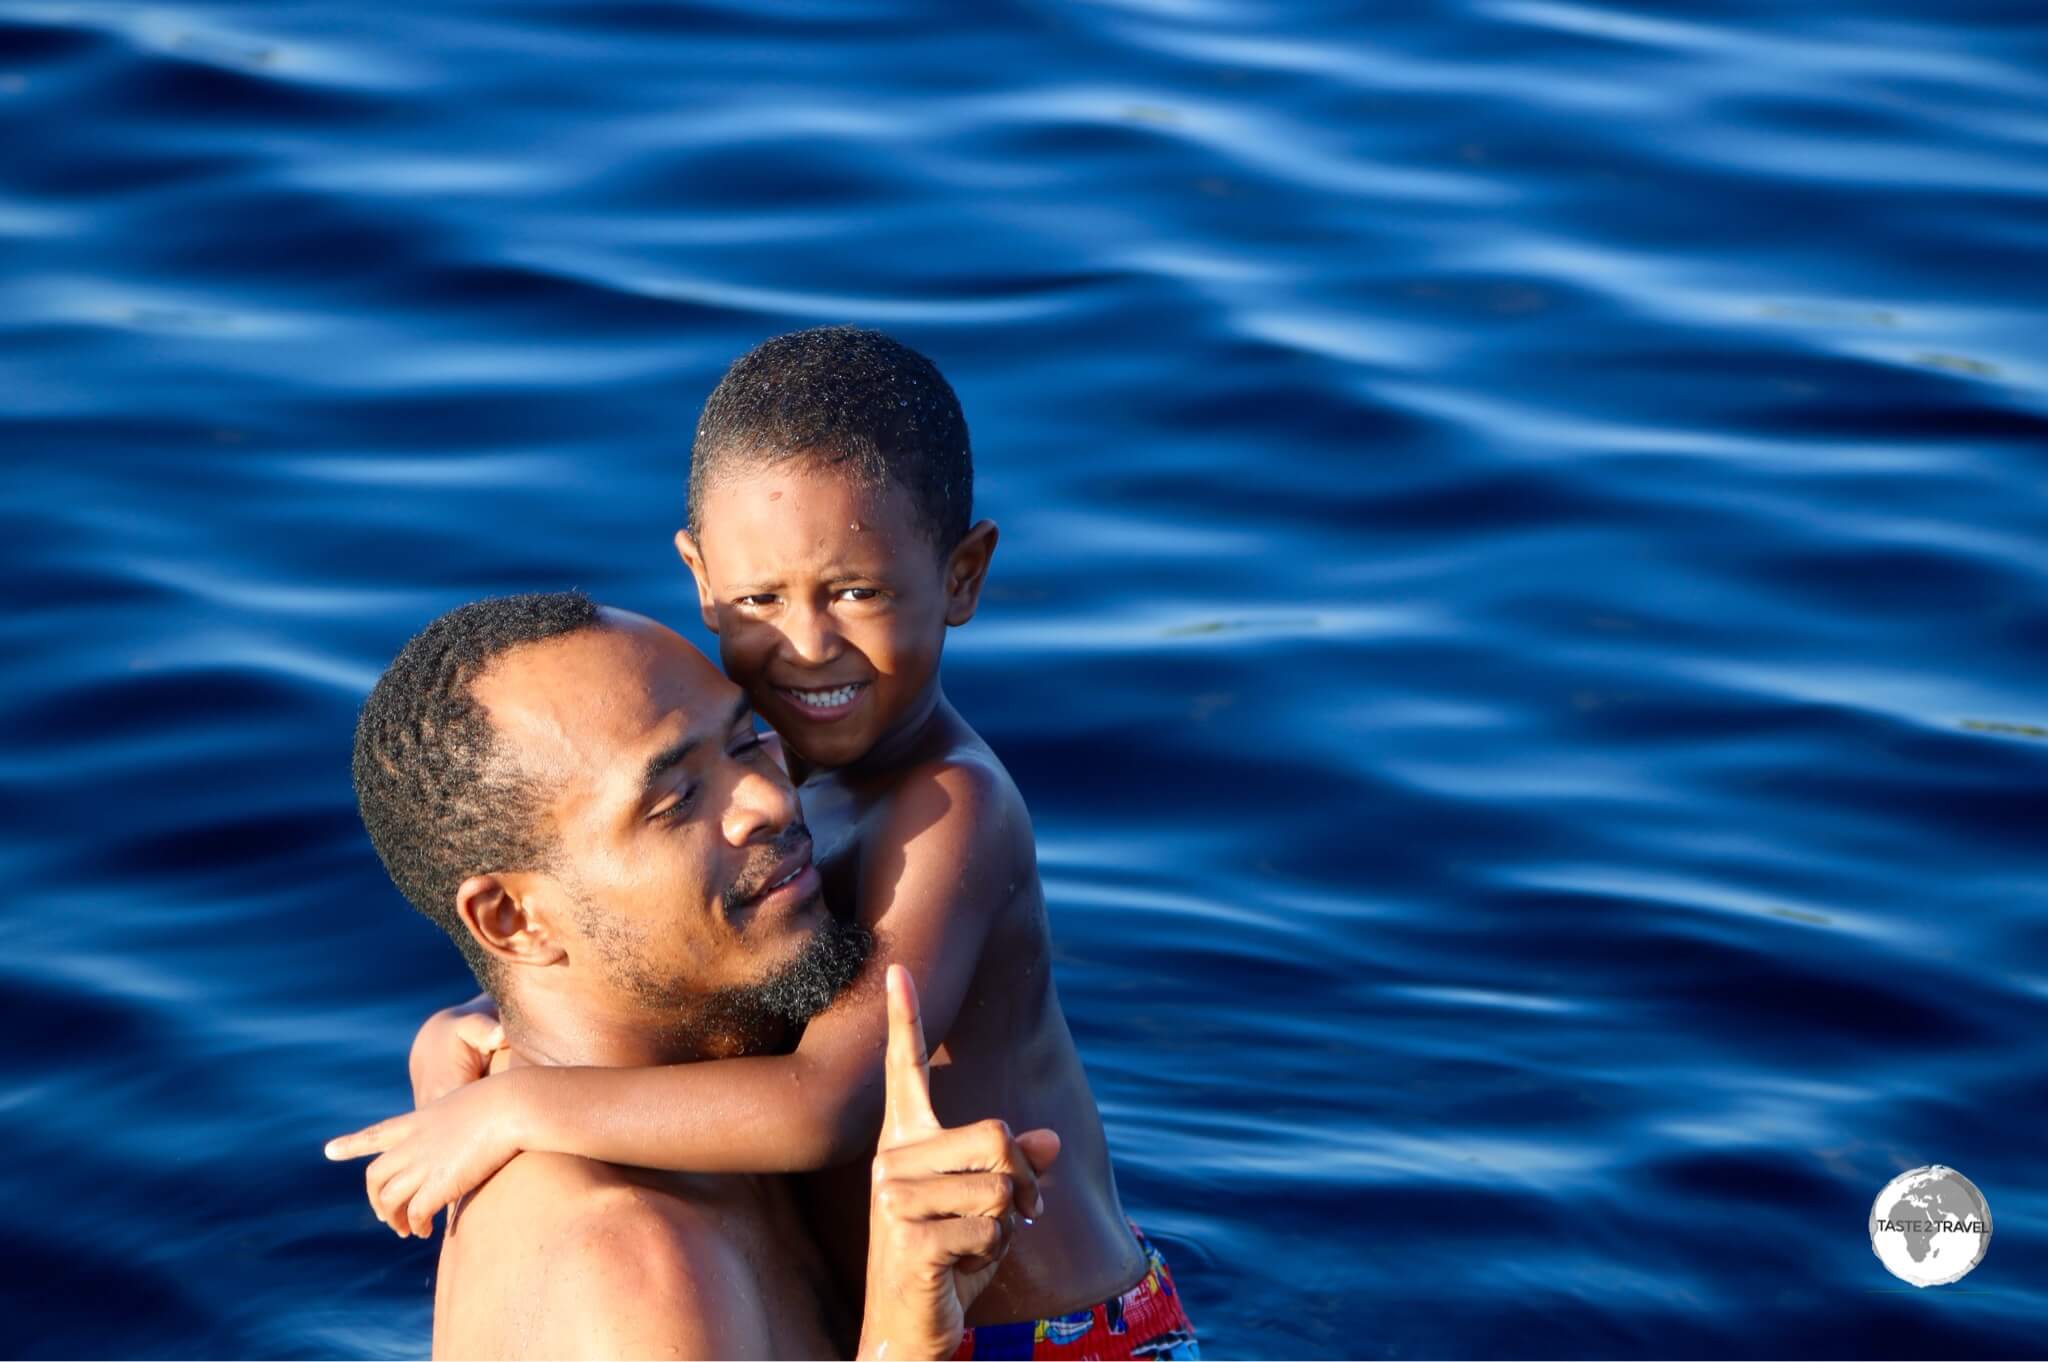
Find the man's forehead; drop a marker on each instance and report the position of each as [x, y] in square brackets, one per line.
[599, 695]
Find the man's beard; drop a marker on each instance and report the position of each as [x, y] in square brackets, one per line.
[774, 1010]
[754, 1018]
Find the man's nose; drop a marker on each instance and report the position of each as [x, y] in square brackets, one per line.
[809, 636]
[763, 804]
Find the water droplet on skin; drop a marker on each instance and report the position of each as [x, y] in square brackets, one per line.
[855, 527]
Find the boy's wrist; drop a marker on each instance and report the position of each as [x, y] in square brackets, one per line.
[521, 1115]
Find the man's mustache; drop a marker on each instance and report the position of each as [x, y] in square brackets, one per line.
[769, 864]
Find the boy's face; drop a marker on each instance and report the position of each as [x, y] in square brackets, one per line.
[829, 602]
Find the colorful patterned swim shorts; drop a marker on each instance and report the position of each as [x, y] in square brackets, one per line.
[1146, 1321]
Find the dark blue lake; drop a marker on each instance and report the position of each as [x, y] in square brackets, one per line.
[1521, 608]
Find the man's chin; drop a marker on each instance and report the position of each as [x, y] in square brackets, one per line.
[828, 957]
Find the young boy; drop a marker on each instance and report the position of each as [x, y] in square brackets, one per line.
[830, 540]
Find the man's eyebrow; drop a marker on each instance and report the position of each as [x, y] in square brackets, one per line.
[676, 752]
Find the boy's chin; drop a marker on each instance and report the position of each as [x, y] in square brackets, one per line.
[818, 744]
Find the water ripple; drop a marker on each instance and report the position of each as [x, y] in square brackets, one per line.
[1518, 614]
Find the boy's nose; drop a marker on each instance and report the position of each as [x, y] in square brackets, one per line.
[809, 638]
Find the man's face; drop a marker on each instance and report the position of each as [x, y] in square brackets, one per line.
[682, 868]
[829, 602]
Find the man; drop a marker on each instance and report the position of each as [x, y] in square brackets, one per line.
[579, 799]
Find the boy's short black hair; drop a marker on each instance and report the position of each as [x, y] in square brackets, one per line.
[847, 398]
[441, 803]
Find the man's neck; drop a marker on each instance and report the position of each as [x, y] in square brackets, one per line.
[546, 1030]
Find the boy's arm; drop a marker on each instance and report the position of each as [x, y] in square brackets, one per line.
[940, 868]
[454, 1047]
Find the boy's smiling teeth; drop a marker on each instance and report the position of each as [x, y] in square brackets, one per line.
[823, 699]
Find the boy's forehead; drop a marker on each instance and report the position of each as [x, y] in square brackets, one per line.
[805, 515]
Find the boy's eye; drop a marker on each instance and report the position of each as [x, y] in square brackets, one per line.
[746, 747]
[757, 600]
[858, 593]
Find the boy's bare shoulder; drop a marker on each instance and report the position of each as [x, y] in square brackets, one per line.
[950, 831]
[962, 799]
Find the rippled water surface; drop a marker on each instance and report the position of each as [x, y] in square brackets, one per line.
[1520, 613]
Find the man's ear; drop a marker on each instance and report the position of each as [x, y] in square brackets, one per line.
[686, 549]
[496, 912]
[967, 569]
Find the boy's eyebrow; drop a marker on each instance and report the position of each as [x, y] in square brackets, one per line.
[662, 762]
[835, 573]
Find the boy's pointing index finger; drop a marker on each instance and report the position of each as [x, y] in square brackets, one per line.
[907, 1094]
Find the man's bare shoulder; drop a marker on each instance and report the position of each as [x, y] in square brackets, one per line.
[541, 1194]
[564, 1256]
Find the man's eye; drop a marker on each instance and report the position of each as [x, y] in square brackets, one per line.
[677, 807]
[748, 746]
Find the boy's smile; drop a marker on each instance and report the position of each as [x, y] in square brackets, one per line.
[827, 705]
[829, 602]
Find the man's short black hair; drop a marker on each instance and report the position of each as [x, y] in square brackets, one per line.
[439, 799]
[846, 398]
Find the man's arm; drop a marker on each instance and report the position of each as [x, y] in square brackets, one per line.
[945, 863]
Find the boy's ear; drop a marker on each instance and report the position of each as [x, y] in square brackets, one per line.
[686, 549]
[967, 569]
[495, 910]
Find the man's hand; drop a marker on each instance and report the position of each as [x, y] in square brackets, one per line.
[429, 1158]
[454, 1047]
[944, 1205]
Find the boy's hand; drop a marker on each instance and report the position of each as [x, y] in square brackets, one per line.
[429, 1158]
[944, 1205]
[454, 1047]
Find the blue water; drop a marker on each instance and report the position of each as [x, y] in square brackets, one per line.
[1520, 612]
